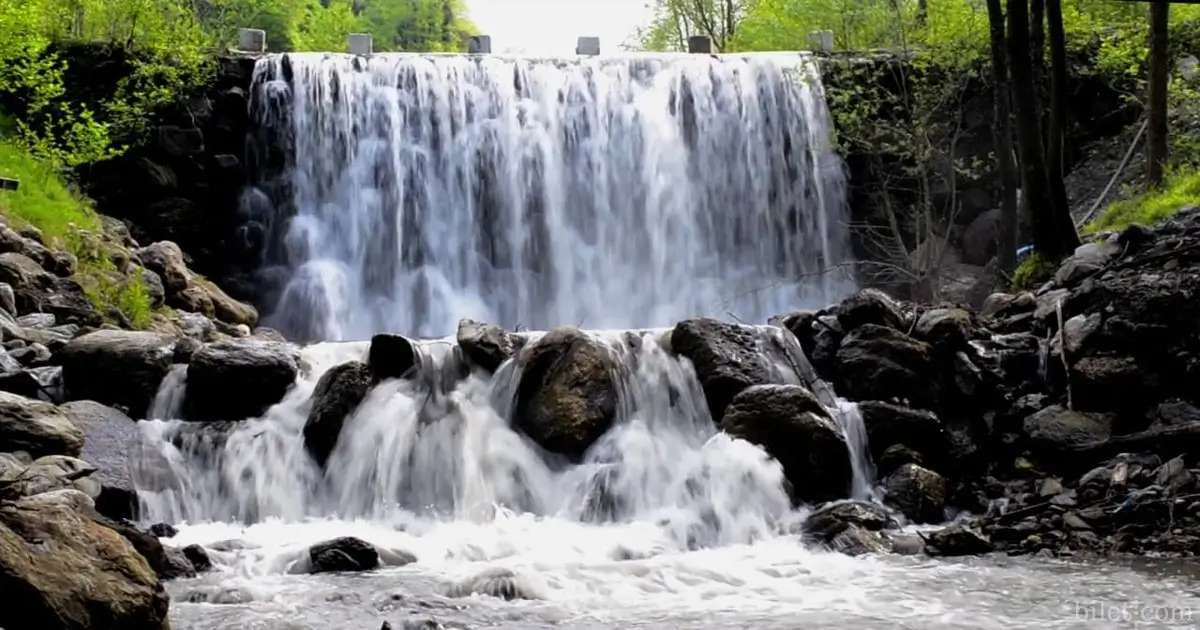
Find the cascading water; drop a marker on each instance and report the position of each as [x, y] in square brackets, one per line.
[412, 451]
[602, 193]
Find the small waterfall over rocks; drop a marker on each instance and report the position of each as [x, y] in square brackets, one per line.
[403, 192]
[426, 447]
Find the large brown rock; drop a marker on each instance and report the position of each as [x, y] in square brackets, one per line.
[117, 367]
[792, 426]
[485, 345]
[567, 394]
[61, 569]
[39, 291]
[36, 427]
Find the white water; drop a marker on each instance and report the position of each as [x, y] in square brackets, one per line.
[602, 193]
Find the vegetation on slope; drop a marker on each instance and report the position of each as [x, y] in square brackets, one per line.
[68, 223]
[1181, 190]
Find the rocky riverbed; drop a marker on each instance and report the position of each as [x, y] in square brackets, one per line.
[1059, 422]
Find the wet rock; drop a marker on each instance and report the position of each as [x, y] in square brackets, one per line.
[496, 582]
[956, 540]
[117, 367]
[728, 358]
[238, 379]
[391, 356]
[919, 493]
[37, 428]
[1088, 259]
[790, 424]
[1056, 429]
[894, 457]
[164, 530]
[878, 363]
[336, 396]
[196, 555]
[567, 397]
[225, 308]
[833, 518]
[947, 329]
[342, 554]
[165, 259]
[72, 573]
[869, 306]
[856, 541]
[169, 563]
[887, 424]
[485, 345]
[110, 441]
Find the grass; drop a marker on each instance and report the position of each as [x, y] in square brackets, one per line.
[44, 201]
[1032, 271]
[1182, 189]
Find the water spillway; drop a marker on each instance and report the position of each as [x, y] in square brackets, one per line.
[414, 190]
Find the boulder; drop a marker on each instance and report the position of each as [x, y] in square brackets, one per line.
[342, 554]
[239, 379]
[336, 396]
[167, 562]
[957, 540]
[110, 441]
[37, 428]
[486, 346]
[1056, 430]
[391, 356]
[919, 493]
[888, 424]
[61, 569]
[790, 424]
[51, 473]
[166, 259]
[729, 358]
[567, 394]
[947, 329]
[869, 306]
[834, 517]
[117, 367]
[225, 308]
[39, 291]
[880, 363]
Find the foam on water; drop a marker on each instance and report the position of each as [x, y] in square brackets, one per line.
[403, 192]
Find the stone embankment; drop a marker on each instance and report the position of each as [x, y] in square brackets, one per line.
[1056, 422]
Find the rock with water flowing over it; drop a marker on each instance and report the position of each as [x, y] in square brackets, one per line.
[239, 379]
[111, 442]
[36, 427]
[496, 582]
[919, 493]
[342, 554]
[335, 397]
[729, 358]
[567, 394]
[790, 424]
[485, 345]
[122, 368]
[61, 569]
[831, 519]
[391, 356]
[879, 363]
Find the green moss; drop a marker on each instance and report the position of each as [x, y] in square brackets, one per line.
[1032, 271]
[44, 201]
[1181, 189]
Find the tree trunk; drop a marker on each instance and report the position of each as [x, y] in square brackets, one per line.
[1156, 138]
[1037, 38]
[1002, 135]
[1056, 137]
[1049, 240]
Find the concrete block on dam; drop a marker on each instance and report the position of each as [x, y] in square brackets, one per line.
[252, 40]
[479, 45]
[588, 46]
[699, 45]
[359, 44]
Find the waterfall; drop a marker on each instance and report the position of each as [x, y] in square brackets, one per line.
[408, 191]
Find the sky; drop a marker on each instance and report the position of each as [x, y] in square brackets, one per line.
[551, 27]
